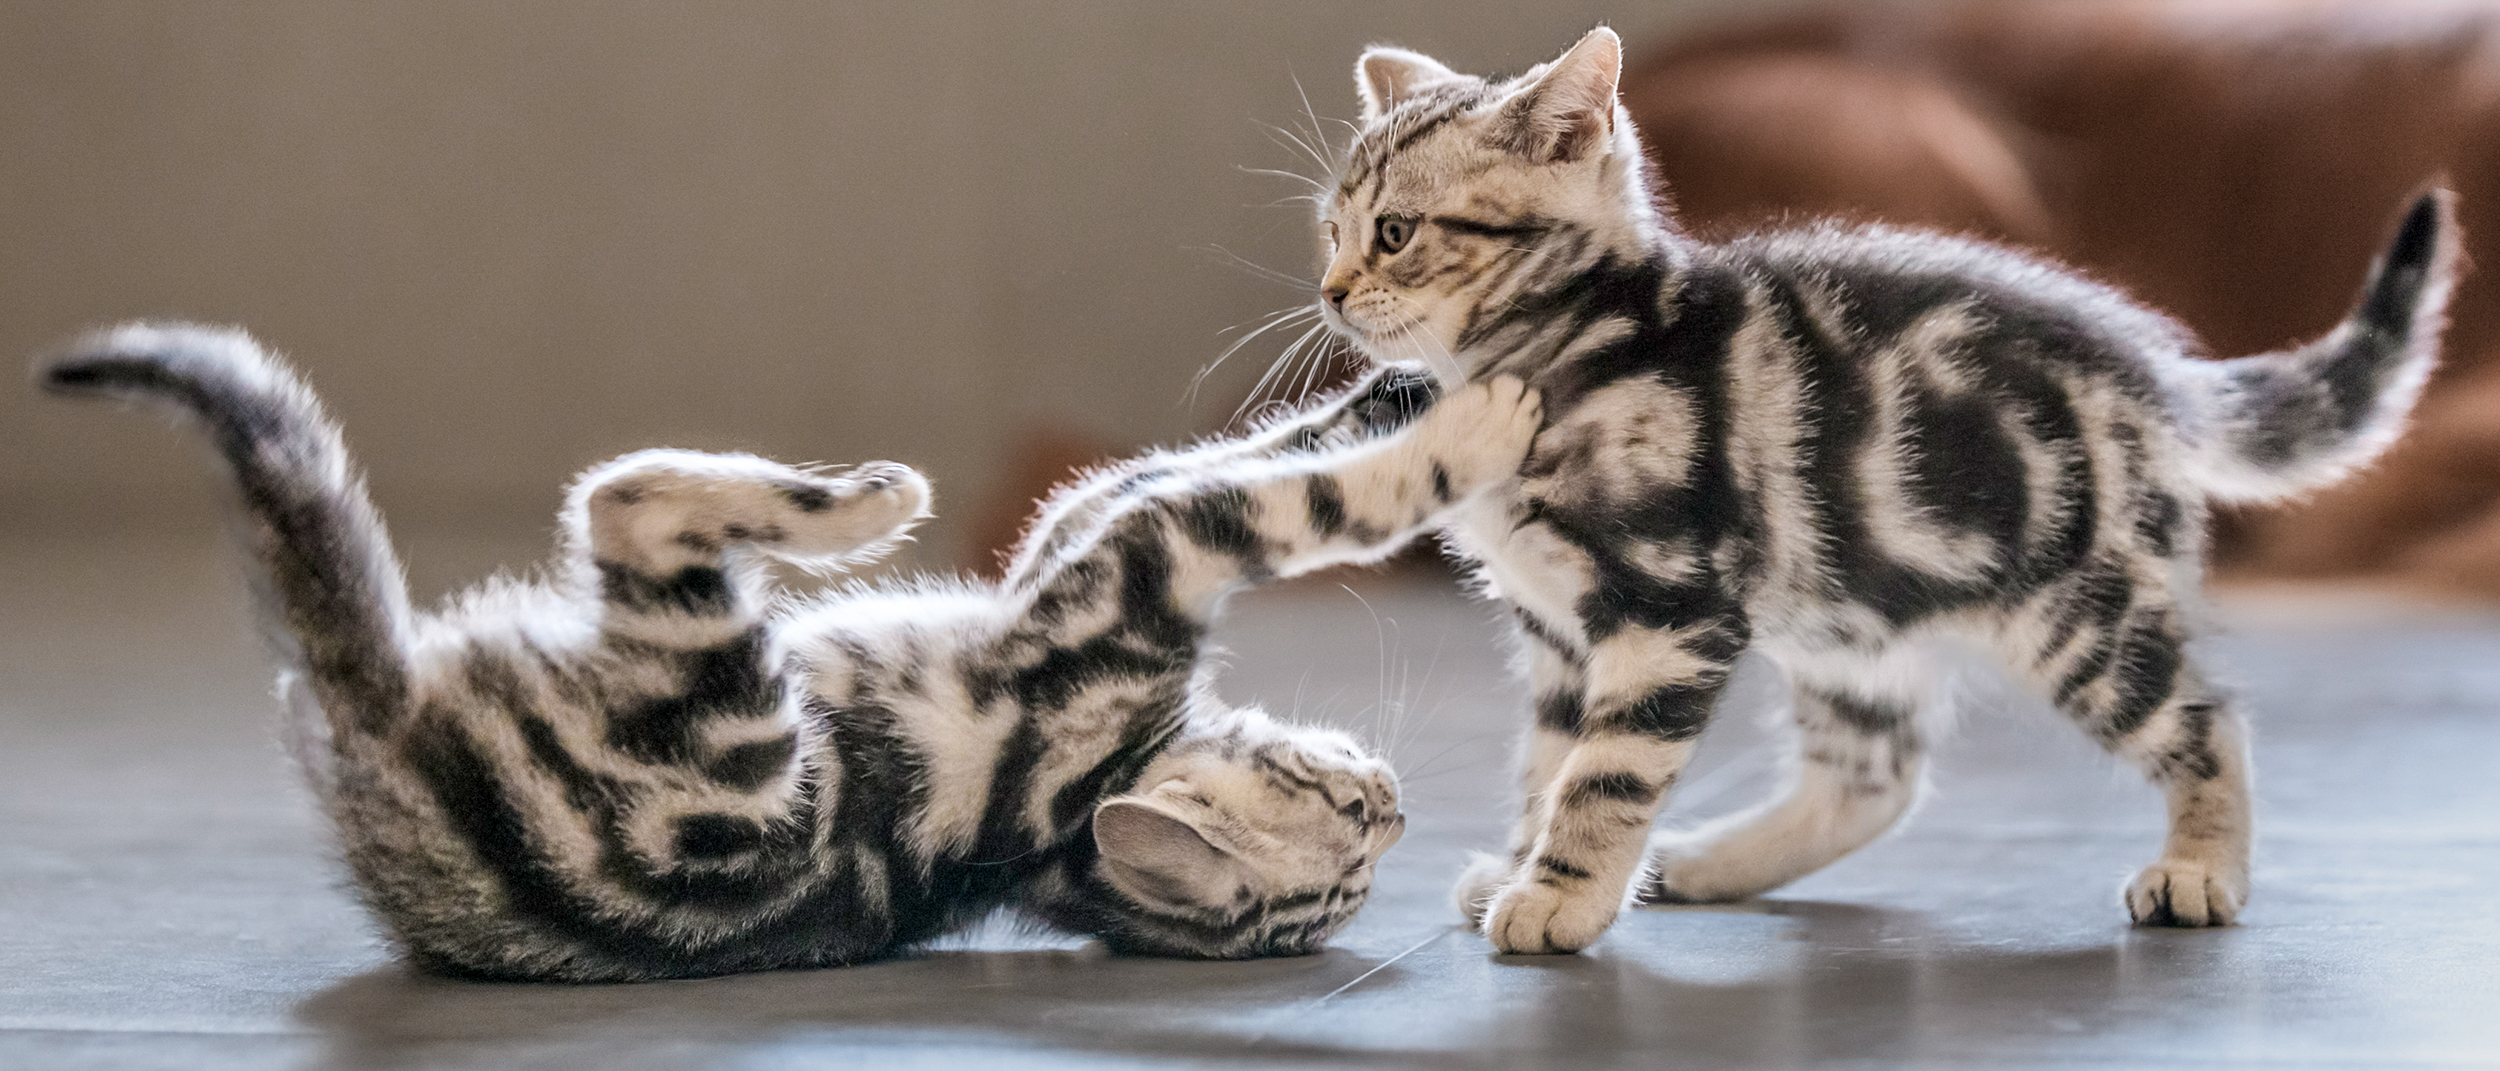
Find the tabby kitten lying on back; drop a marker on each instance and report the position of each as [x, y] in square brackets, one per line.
[643, 769]
[1830, 445]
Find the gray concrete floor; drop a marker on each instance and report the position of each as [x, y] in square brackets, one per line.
[165, 900]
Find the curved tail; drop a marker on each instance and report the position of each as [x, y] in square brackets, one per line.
[334, 602]
[2279, 424]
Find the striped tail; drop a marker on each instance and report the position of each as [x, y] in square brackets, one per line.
[2283, 423]
[333, 601]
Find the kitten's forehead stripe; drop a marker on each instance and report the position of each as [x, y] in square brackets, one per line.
[1400, 130]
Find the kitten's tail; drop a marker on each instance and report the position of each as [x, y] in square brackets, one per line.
[2279, 424]
[334, 602]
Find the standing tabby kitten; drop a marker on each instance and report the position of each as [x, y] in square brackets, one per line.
[1831, 445]
[642, 768]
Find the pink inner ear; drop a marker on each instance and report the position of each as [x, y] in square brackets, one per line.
[1387, 76]
[1571, 108]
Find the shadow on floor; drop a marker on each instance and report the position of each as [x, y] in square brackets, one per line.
[1844, 980]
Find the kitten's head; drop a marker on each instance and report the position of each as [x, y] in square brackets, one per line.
[1462, 198]
[1247, 838]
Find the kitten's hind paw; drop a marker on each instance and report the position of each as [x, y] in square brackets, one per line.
[842, 516]
[1679, 873]
[2180, 892]
[659, 511]
[1485, 875]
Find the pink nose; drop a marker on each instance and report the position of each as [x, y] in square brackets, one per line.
[1334, 296]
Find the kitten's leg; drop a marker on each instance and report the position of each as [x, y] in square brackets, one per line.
[1283, 516]
[1858, 771]
[1386, 401]
[1555, 680]
[2131, 683]
[1649, 693]
[706, 726]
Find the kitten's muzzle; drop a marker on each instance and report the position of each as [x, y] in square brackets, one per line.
[1334, 296]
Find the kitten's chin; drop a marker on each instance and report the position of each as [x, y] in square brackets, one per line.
[1446, 367]
[1407, 345]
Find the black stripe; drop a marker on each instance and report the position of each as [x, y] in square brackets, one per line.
[1675, 712]
[474, 803]
[727, 681]
[1326, 500]
[1619, 787]
[2145, 671]
[1867, 716]
[1529, 228]
[747, 767]
[717, 836]
[700, 590]
[808, 497]
[1561, 712]
[1562, 868]
[593, 795]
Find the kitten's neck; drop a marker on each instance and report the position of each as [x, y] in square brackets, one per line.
[1634, 279]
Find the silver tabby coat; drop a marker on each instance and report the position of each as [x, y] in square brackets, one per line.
[1831, 445]
[644, 767]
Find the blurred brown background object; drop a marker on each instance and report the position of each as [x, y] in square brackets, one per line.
[2235, 164]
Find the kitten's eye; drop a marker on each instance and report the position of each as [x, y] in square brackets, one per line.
[1353, 811]
[1395, 231]
[1332, 234]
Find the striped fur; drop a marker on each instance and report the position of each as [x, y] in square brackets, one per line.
[1833, 445]
[647, 767]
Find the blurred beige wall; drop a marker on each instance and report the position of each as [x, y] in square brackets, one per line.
[511, 239]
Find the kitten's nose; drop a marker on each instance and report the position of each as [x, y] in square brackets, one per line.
[1334, 296]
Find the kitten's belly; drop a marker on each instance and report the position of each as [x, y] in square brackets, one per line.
[1528, 566]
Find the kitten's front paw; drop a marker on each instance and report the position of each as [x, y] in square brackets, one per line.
[1481, 434]
[2181, 892]
[1532, 918]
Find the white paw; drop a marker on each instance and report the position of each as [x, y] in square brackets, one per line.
[1533, 918]
[2184, 892]
[1485, 875]
[1482, 433]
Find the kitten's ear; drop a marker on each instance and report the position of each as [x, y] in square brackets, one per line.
[1571, 109]
[1155, 854]
[1388, 75]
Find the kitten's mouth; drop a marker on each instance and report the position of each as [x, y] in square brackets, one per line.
[1377, 334]
[1366, 328]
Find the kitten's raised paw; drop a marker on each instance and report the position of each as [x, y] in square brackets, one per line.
[1482, 433]
[2177, 892]
[1533, 918]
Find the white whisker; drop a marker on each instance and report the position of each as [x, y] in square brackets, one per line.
[1273, 322]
